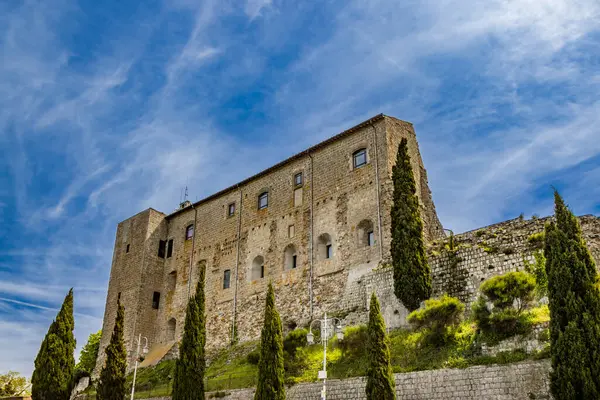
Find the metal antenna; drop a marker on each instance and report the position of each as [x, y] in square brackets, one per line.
[185, 196]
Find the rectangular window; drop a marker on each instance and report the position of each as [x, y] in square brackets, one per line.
[294, 258]
[262, 271]
[170, 248]
[189, 232]
[360, 158]
[329, 251]
[162, 244]
[263, 200]
[155, 300]
[127, 249]
[226, 279]
[231, 209]
[298, 179]
[370, 238]
[291, 231]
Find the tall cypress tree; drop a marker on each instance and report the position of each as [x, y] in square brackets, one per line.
[270, 367]
[112, 377]
[380, 380]
[412, 276]
[55, 363]
[189, 369]
[574, 303]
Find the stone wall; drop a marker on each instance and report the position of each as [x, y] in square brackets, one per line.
[519, 381]
[335, 204]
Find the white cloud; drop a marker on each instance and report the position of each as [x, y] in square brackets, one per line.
[254, 8]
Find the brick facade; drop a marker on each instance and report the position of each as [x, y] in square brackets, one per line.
[336, 204]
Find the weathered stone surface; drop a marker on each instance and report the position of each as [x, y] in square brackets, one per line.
[335, 202]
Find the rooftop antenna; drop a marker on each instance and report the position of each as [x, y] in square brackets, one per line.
[185, 196]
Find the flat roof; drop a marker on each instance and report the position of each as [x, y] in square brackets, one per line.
[347, 132]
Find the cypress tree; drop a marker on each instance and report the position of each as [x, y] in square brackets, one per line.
[270, 367]
[380, 380]
[574, 303]
[55, 363]
[188, 383]
[412, 277]
[112, 377]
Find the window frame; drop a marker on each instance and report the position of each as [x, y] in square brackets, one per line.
[155, 300]
[296, 183]
[370, 238]
[230, 212]
[328, 251]
[169, 248]
[162, 248]
[264, 195]
[358, 152]
[189, 228]
[226, 279]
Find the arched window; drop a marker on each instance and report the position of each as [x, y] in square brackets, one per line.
[258, 268]
[290, 257]
[263, 200]
[171, 327]
[325, 247]
[189, 232]
[359, 158]
[365, 234]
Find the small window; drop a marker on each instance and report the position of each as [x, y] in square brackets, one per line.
[162, 244]
[230, 209]
[226, 279]
[155, 300]
[189, 232]
[370, 238]
[263, 200]
[294, 261]
[257, 270]
[127, 249]
[359, 158]
[329, 250]
[291, 231]
[170, 248]
[298, 179]
[325, 247]
[289, 257]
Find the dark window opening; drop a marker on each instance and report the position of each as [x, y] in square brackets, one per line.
[155, 300]
[329, 251]
[170, 248]
[231, 209]
[359, 158]
[294, 258]
[189, 232]
[262, 271]
[127, 249]
[119, 296]
[263, 200]
[162, 244]
[298, 179]
[226, 279]
[370, 238]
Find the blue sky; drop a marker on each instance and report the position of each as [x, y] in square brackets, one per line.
[107, 108]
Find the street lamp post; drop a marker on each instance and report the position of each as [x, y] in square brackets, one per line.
[325, 335]
[137, 357]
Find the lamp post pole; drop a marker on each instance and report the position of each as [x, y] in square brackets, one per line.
[137, 357]
[325, 333]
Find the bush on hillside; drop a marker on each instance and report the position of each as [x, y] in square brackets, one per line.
[501, 310]
[294, 352]
[440, 317]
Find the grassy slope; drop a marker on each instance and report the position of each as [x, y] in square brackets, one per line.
[230, 369]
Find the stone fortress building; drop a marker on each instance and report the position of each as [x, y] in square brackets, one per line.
[317, 225]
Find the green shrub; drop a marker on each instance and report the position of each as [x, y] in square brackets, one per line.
[355, 341]
[503, 320]
[504, 290]
[253, 357]
[538, 270]
[294, 340]
[537, 240]
[294, 352]
[439, 317]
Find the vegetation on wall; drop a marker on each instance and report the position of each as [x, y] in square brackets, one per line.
[412, 276]
[538, 269]
[574, 302]
[439, 318]
[52, 377]
[112, 377]
[502, 309]
[270, 367]
[380, 380]
[188, 383]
